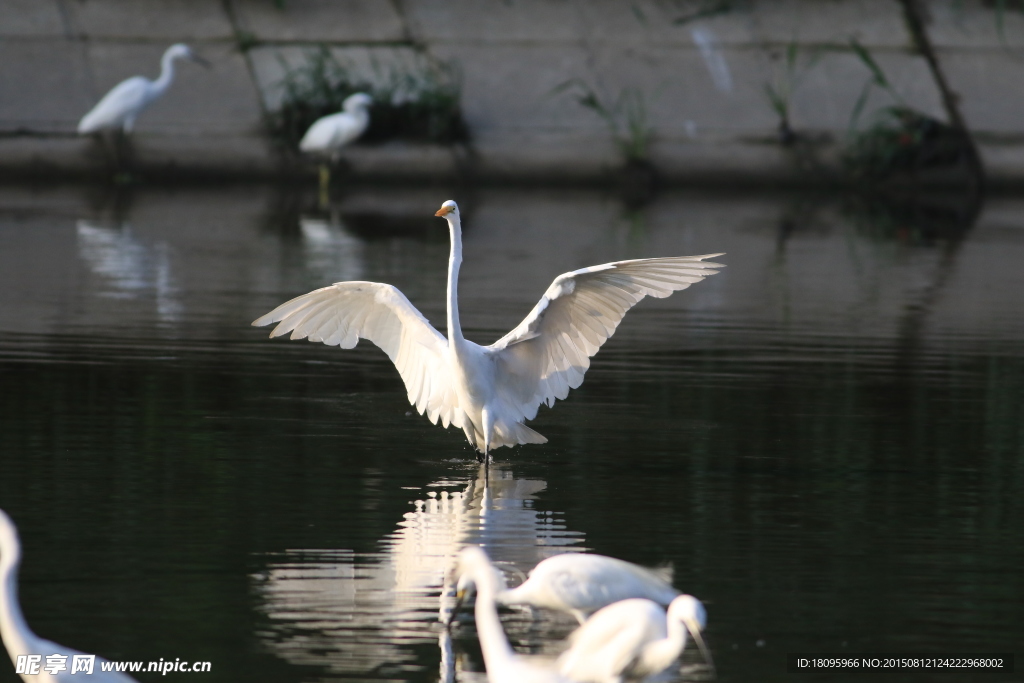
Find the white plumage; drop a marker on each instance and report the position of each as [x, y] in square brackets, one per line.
[488, 391]
[18, 638]
[632, 640]
[503, 665]
[122, 105]
[329, 134]
[581, 583]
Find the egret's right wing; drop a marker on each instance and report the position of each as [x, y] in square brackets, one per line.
[611, 640]
[127, 96]
[341, 314]
[547, 354]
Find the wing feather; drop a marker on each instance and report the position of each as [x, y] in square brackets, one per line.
[548, 353]
[341, 314]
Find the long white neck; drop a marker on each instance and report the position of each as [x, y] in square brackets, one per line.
[455, 337]
[660, 654]
[163, 82]
[493, 642]
[16, 634]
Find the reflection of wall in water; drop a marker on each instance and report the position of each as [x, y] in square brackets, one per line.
[348, 613]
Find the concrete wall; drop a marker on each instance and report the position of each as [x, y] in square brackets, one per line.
[703, 80]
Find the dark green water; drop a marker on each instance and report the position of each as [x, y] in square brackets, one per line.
[825, 440]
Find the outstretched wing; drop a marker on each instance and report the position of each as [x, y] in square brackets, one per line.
[547, 354]
[343, 313]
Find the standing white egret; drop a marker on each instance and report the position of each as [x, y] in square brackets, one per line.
[18, 637]
[488, 391]
[580, 583]
[120, 107]
[330, 133]
[502, 663]
[633, 640]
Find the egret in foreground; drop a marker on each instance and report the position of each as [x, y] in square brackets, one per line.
[120, 107]
[18, 637]
[503, 664]
[488, 391]
[633, 640]
[580, 583]
[330, 133]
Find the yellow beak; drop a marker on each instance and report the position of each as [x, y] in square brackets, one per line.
[444, 211]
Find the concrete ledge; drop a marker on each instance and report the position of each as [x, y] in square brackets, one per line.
[311, 21]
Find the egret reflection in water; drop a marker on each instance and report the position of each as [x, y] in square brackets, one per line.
[350, 613]
[331, 252]
[130, 268]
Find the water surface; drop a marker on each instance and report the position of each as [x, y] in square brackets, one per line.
[824, 441]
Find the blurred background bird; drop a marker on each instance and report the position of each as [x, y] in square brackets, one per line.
[120, 107]
[329, 134]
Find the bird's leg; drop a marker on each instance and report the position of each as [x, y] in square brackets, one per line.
[122, 156]
[325, 185]
[106, 143]
[488, 421]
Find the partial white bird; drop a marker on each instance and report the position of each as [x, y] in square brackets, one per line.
[633, 640]
[581, 584]
[502, 663]
[330, 133]
[488, 391]
[122, 105]
[19, 639]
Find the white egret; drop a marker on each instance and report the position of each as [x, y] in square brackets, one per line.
[120, 107]
[580, 583]
[19, 639]
[502, 663]
[330, 133]
[632, 640]
[488, 391]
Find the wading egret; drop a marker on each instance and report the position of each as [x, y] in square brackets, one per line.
[502, 663]
[632, 640]
[120, 107]
[18, 637]
[488, 391]
[581, 584]
[329, 134]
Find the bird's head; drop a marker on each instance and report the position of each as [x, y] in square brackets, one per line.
[690, 611]
[354, 102]
[182, 51]
[449, 208]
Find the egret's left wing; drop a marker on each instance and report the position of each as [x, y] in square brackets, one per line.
[339, 315]
[547, 354]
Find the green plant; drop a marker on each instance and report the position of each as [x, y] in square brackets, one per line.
[626, 117]
[416, 102]
[780, 92]
[877, 80]
[902, 141]
[1001, 7]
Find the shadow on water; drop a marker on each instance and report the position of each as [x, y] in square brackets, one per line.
[824, 440]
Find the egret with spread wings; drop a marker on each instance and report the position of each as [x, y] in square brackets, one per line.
[488, 391]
